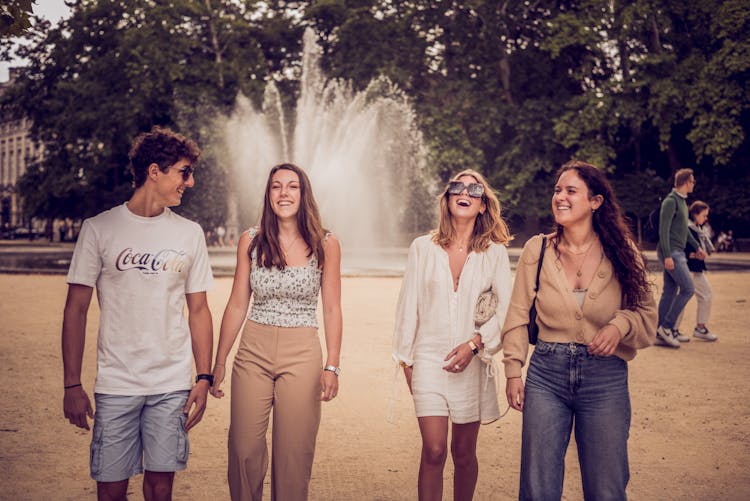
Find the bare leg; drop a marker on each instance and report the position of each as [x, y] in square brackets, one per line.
[157, 485]
[434, 431]
[464, 453]
[112, 491]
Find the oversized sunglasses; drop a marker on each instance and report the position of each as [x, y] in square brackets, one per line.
[186, 172]
[475, 190]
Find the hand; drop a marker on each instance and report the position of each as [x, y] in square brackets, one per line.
[668, 263]
[219, 373]
[461, 356]
[197, 398]
[329, 386]
[514, 392]
[605, 341]
[408, 371]
[77, 407]
[700, 254]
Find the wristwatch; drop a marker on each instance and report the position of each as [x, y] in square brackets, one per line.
[333, 368]
[473, 347]
[207, 377]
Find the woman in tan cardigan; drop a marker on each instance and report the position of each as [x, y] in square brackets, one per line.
[595, 309]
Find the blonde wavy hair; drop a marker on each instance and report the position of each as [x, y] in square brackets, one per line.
[489, 227]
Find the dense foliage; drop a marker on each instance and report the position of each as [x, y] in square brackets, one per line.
[511, 88]
[15, 17]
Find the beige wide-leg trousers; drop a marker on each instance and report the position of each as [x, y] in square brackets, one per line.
[279, 368]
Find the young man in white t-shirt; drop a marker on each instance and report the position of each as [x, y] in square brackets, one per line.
[146, 262]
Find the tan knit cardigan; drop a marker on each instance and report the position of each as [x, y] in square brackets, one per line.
[560, 318]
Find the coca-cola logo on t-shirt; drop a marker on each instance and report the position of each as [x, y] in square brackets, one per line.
[165, 260]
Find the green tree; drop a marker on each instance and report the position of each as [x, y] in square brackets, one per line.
[114, 69]
[15, 18]
[675, 95]
[513, 89]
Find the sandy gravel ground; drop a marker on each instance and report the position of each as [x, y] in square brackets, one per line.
[690, 433]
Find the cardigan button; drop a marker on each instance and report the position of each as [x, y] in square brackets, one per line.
[601, 274]
[579, 315]
[593, 295]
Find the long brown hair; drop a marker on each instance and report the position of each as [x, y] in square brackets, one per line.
[614, 234]
[696, 208]
[489, 226]
[308, 222]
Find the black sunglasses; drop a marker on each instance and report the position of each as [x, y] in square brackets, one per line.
[186, 172]
[475, 190]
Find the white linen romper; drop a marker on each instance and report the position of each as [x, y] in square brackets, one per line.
[432, 319]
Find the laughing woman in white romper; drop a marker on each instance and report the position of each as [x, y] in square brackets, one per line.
[435, 338]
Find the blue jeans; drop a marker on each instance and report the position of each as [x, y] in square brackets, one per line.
[677, 291]
[566, 386]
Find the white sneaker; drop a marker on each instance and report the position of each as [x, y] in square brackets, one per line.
[679, 336]
[702, 333]
[665, 337]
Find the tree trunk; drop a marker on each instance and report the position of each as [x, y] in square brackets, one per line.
[674, 161]
[654, 38]
[504, 68]
[637, 146]
[215, 44]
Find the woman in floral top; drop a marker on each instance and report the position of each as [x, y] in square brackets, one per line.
[284, 264]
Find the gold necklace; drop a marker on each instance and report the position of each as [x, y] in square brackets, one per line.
[582, 252]
[286, 251]
[585, 256]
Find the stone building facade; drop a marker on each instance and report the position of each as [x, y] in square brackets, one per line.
[17, 150]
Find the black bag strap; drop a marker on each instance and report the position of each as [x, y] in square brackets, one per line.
[539, 266]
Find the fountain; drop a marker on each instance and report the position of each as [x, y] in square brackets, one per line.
[362, 150]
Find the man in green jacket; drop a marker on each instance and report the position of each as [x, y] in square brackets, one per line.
[673, 236]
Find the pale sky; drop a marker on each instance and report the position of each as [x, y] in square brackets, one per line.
[52, 10]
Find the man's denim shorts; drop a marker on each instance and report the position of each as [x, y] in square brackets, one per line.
[133, 432]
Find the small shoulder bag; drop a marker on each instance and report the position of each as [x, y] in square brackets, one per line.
[533, 327]
[485, 308]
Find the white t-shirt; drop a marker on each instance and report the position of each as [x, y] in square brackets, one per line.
[142, 267]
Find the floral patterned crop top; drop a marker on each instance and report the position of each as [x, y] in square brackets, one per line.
[284, 298]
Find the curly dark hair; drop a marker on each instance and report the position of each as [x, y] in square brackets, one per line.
[162, 147]
[614, 234]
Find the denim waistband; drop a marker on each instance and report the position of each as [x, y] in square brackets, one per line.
[571, 349]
